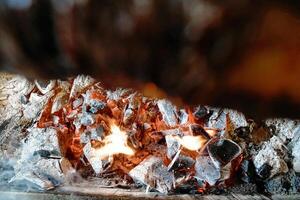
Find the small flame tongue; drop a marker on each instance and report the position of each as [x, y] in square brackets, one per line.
[115, 143]
[190, 142]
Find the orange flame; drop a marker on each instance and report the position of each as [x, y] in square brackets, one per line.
[115, 143]
[190, 142]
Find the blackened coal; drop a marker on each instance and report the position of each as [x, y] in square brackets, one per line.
[264, 171]
[247, 172]
[223, 151]
[43, 153]
[242, 132]
[288, 183]
[199, 130]
[201, 112]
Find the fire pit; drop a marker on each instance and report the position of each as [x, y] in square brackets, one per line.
[75, 137]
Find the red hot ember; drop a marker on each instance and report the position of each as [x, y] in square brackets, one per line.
[150, 140]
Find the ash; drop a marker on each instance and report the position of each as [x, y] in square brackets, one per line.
[56, 133]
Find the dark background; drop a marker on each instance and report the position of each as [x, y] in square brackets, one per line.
[242, 54]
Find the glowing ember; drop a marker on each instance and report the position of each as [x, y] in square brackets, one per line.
[115, 143]
[190, 142]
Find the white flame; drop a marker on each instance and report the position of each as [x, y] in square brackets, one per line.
[190, 142]
[115, 143]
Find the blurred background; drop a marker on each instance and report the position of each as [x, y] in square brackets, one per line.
[242, 54]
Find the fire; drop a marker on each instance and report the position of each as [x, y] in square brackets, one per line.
[115, 143]
[190, 142]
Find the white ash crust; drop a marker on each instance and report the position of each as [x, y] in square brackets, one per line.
[45, 88]
[272, 152]
[294, 146]
[36, 103]
[219, 120]
[13, 90]
[168, 111]
[80, 83]
[284, 128]
[153, 173]
[206, 170]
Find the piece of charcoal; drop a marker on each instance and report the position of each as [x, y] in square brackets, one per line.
[42, 153]
[201, 112]
[223, 151]
[168, 111]
[97, 164]
[97, 133]
[86, 119]
[77, 102]
[206, 170]
[294, 146]
[29, 179]
[284, 128]
[264, 171]
[45, 86]
[173, 146]
[181, 162]
[242, 132]
[96, 105]
[221, 118]
[183, 116]
[152, 172]
[247, 172]
[286, 184]
[79, 84]
[199, 130]
[272, 152]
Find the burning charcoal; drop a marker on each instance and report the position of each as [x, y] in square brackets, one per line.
[173, 132]
[152, 172]
[79, 84]
[168, 111]
[206, 170]
[201, 112]
[223, 151]
[77, 102]
[264, 171]
[128, 115]
[92, 134]
[272, 153]
[199, 130]
[183, 116]
[117, 94]
[288, 183]
[59, 101]
[97, 133]
[86, 119]
[45, 86]
[91, 154]
[173, 146]
[220, 118]
[181, 162]
[85, 137]
[96, 105]
[247, 171]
